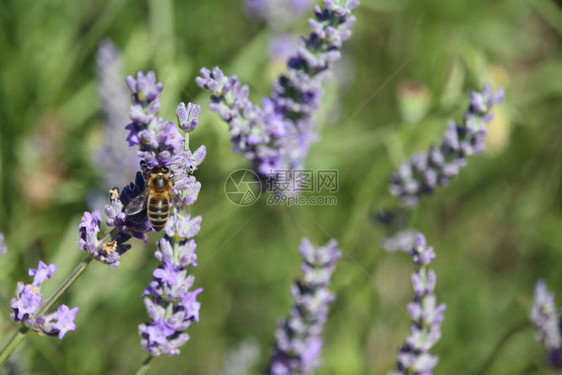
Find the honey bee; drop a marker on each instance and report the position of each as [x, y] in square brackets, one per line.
[158, 198]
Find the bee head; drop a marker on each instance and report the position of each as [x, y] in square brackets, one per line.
[160, 169]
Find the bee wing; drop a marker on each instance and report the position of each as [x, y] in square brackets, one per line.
[175, 199]
[136, 205]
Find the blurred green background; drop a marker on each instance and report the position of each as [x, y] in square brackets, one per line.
[407, 69]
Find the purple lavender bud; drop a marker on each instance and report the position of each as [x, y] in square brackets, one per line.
[184, 226]
[171, 305]
[188, 117]
[3, 247]
[277, 136]
[439, 165]
[427, 316]
[168, 274]
[144, 87]
[544, 315]
[42, 272]
[26, 303]
[191, 305]
[298, 338]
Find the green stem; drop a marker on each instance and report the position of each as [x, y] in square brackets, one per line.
[485, 367]
[19, 335]
[144, 366]
[78, 271]
[15, 340]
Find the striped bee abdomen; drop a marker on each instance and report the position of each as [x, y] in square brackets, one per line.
[158, 211]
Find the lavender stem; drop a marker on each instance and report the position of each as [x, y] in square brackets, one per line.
[19, 335]
[15, 340]
[144, 366]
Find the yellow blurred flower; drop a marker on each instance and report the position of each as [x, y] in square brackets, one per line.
[499, 131]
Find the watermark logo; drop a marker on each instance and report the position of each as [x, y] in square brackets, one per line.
[296, 181]
[242, 187]
[301, 200]
[296, 187]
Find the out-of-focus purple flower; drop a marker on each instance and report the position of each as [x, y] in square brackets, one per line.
[277, 13]
[170, 303]
[3, 247]
[298, 338]
[424, 172]
[277, 135]
[427, 316]
[282, 46]
[243, 358]
[27, 304]
[400, 241]
[545, 317]
[117, 163]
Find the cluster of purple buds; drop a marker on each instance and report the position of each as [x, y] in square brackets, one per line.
[158, 140]
[27, 304]
[424, 172]
[298, 338]
[277, 135]
[427, 316]
[170, 303]
[544, 315]
[108, 249]
[118, 163]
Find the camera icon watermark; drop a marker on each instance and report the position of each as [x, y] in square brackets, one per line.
[243, 187]
[295, 187]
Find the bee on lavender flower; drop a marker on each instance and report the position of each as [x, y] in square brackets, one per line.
[159, 196]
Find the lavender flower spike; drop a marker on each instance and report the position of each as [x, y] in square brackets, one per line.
[277, 135]
[425, 329]
[545, 317]
[298, 338]
[170, 302]
[27, 304]
[159, 141]
[424, 172]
